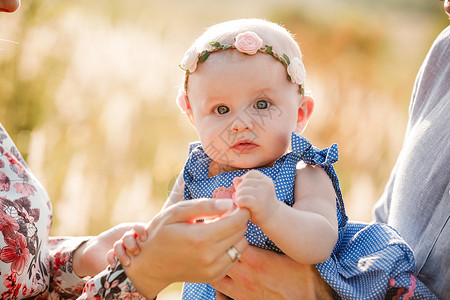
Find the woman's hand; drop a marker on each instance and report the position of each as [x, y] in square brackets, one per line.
[262, 274]
[179, 249]
[127, 246]
[90, 258]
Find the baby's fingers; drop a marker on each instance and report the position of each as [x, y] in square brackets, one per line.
[111, 258]
[254, 174]
[237, 181]
[246, 198]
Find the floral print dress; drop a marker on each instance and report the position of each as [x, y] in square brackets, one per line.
[32, 265]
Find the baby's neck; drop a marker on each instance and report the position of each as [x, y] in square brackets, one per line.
[216, 168]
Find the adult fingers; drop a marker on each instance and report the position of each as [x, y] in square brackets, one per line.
[237, 249]
[228, 226]
[141, 231]
[121, 253]
[241, 245]
[9, 5]
[221, 246]
[212, 237]
[225, 261]
[110, 258]
[191, 210]
[225, 283]
[129, 243]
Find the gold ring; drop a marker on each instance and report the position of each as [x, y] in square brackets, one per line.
[233, 254]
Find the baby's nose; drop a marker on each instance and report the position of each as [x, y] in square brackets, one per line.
[9, 5]
[241, 123]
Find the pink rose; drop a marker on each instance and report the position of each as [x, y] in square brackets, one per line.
[248, 42]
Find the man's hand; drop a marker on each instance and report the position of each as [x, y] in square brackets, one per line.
[262, 274]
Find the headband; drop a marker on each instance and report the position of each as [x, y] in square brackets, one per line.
[248, 43]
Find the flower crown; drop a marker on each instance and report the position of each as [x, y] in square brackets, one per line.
[249, 43]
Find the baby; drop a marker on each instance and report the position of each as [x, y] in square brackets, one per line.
[244, 94]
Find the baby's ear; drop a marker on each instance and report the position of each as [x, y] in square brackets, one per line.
[304, 112]
[184, 105]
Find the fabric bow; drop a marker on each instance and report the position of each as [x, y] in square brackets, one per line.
[312, 155]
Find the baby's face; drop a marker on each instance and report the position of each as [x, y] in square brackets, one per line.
[244, 108]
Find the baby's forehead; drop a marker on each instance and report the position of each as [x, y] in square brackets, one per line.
[245, 74]
[226, 58]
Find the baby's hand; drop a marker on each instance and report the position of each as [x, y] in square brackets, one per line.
[127, 246]
[256, 192]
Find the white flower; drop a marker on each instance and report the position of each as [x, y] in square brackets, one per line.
[296, 71]
[190, 59]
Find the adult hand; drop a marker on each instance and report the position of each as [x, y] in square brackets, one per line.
[262, 274]
[179, 249]
[90, 258]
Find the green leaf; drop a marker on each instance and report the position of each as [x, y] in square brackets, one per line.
[204, 56]
[227, 46]
[269, 50]
[287, 59]
[186, 70]
[215, 44]
[283, 61]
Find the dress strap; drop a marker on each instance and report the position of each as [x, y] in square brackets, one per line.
[324, 158]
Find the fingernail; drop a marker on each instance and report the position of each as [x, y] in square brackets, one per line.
[224, 204]
[143, 237]
[126, 263]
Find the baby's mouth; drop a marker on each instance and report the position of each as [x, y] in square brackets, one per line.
[244, 146]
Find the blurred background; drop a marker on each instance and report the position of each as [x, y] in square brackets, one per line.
[87, 93]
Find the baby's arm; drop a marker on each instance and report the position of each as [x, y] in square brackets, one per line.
[307, 232]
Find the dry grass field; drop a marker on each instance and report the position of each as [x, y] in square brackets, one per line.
[87, 92]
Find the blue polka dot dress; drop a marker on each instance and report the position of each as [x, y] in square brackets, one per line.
[369, 261]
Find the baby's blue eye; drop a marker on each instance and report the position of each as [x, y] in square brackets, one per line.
[261, 104]
[221, 109]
